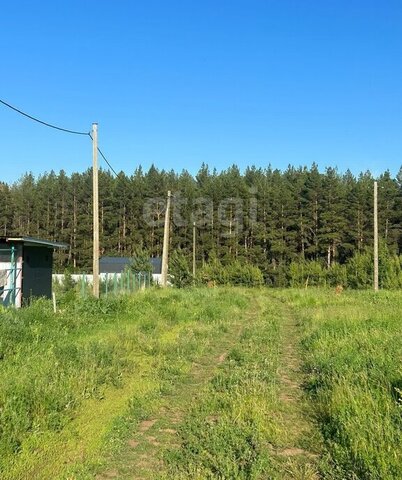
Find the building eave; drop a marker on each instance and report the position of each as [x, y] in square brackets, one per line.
[35, 242]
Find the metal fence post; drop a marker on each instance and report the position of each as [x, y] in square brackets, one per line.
[12, 275]
[83, 285]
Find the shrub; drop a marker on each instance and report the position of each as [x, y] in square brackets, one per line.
[179, 270]
[244, 274]
[141, 263]
[336, 275]
[360, 269]
[213, 272]
[304, 273]
[235, 273]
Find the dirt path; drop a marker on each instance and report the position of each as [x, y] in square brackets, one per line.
[298, 452]
[295, 450]
[142, 456]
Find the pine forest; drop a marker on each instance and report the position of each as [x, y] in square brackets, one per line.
[275, 220]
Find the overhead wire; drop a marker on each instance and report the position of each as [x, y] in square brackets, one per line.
[104, 158]
[41, 121]
[56, 127]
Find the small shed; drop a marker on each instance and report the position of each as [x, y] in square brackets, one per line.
[26, 265]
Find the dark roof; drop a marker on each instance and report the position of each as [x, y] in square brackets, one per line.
[118, 264]
[113, 264]
[33, 242]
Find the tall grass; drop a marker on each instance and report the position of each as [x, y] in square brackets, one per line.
[353, 352]
[227, 432]
[51, 364]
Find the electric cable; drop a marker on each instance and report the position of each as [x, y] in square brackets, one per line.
[41, 121]
[58, 128]
[104, 158]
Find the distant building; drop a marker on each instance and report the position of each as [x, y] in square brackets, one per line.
[26, 265]
[119, 264]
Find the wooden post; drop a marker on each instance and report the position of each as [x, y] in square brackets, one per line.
[95, 269]
[165, 253]
[54, 302]
[194, 249]
[375, 237]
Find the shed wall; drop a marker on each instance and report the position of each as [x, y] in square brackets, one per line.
[37, 272]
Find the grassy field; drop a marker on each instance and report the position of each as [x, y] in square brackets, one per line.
[218, 383]
[352, 352]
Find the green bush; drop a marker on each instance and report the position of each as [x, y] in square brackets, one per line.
[336, 275]
[307, 273]
[235, 273]
[213, 272]
[68, 282]
[179, 271]
[141, 263]
[360, 269]
[244, 274]
[277, 275]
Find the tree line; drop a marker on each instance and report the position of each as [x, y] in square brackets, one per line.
[263, 216]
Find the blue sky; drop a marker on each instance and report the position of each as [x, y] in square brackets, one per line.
[178, 83]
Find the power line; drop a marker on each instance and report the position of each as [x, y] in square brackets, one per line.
[41, 121]
[58, 128]
[104, 158]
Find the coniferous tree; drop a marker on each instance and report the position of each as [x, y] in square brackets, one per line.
[278, 221]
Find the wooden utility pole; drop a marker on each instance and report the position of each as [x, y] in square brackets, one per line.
[194, 249]
[95, 269]
[375, 237]
[165, 253]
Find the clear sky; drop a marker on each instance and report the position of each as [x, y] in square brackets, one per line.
[178, 83]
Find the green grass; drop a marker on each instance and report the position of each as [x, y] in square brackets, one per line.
[226, 433]
[352, 356]
[235, 384]
[242, 426]
[66, 377]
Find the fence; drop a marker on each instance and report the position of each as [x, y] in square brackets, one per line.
[9, 276]
[111, 283]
